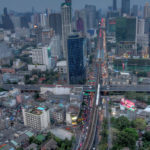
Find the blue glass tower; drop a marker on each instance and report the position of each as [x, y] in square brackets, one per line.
[125, 7]
[76, 59]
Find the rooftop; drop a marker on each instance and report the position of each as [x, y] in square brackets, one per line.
[36, 110]
[61, 63]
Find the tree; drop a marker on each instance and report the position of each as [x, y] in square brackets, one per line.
[103, 146]
[37, 95]
[140, 124]
[127, 138]
[31, 139]
[147, 136]
[132, 132]
[122, 123]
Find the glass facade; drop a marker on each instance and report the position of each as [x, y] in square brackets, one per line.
[125, 29]
[125, 7]
[76, 60]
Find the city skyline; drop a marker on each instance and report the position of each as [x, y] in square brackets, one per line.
[23, 6]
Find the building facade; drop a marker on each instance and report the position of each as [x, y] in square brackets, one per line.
[126, 35]
[42, 56]
[66, 25]
[76, 59]
[55, 46]
[114, 5]
[146, 11]
[91, 16]
[125, 7]
[55, 23]
[37, 118]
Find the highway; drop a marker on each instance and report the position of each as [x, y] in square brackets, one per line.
[126, 88]
[104, 88]
[89, 143]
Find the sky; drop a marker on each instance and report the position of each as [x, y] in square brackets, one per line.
[40, 5]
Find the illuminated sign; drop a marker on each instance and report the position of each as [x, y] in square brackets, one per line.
[112, 22]
[74, 118]
[128, 104]
[74, 123]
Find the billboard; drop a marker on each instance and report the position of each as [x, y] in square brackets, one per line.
[128, 104]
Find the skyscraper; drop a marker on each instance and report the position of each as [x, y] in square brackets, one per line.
[55, 23]
[135, 10]
[68, 1]
[126, 35]
[125, 9]
[114, 5]
[43, 20]
[6, 21]
[83, 16]
[66, 24]
[146, 11]
[80, 25]
[76, 59]
[91, 16]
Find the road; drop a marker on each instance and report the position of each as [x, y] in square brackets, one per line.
[88, 143]
[91, 142]
[126, 88]
[109, 124]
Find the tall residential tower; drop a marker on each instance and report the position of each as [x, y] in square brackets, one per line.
[66, 24]
[114, 5]
[125, 9]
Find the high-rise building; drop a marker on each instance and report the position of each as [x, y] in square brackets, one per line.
[47, 34]
[125, 8]
[6, 21]
[146, 11]
[114, 5]
[141, 26]
[25, 20]
[76, 59]
[83, 16]
[16, 21]
[55, 46]
[147, 25]
[134, 10]
[91, 16]
[55, 23]
[126, 29]
[43, 20]
[35, 19]
[80, 25]
[142, 38]
[37, 118]
[42, 56]
[68, 1]
[66, 25]
[37, 34]
[126, 35]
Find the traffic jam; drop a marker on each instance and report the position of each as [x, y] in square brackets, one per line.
[87, 104]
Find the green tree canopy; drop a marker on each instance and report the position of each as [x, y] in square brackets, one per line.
[126, 138]
[140, 124]
[122, 123]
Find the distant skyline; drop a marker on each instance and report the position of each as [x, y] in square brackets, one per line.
[40, 5]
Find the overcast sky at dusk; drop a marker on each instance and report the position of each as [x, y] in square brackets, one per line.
[39, 5]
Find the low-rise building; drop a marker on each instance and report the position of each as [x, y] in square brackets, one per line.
[62, 67]
[50, 145]
[59, 115]
[12, 78]
[72, 114]
[37, 67]
[37, 118]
